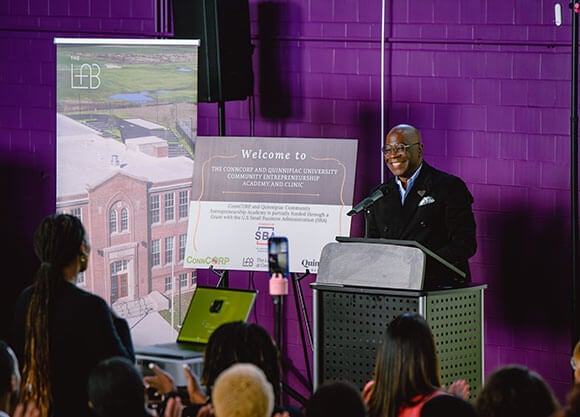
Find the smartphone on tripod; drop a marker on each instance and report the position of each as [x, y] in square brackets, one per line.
[278, 256]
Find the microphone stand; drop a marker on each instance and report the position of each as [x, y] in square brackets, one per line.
[367, 212]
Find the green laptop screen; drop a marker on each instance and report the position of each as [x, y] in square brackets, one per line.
[210, 308]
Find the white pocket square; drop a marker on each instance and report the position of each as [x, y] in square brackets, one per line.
[426, 200]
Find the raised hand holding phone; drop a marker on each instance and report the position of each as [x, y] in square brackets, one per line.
[278, 265]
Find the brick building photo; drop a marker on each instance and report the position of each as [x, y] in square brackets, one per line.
[133, 200]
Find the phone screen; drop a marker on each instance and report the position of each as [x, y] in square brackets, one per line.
[278, 256]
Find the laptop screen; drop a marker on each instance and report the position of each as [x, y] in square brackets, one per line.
[211, 307]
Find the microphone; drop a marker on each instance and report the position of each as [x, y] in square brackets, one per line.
[366, 203]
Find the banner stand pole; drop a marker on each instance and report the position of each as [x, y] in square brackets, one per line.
[224, 277]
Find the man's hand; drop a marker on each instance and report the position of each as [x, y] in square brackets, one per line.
[161, 381]
[206, 411]
[173, 408]
[31, 410]
[196, 395]
[459, 388]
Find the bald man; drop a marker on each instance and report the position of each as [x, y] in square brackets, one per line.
[423, 204]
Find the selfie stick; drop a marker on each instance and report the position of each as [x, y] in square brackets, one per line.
[278, 288]
[299, 297]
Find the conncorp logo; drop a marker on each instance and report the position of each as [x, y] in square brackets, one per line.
[209, 260]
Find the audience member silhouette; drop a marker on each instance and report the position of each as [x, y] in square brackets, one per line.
[230, 343]
[9, 380]
[335, 399]
[116, 389]
[10, 385]
[572, 407]
[515, 391]
[61, 331]
[575, 362]
[241, 342]
[242, 390]
[406, 371]
[447, 406]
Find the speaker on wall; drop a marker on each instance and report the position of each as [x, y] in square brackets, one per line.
[225, 52]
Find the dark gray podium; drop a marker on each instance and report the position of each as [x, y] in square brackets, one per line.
[364, 284]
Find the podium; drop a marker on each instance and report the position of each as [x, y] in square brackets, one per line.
[363, 284]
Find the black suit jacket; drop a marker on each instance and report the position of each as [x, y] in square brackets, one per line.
[437, 213]
[82, 332]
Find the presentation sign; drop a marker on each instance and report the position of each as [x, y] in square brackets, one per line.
[247, 189]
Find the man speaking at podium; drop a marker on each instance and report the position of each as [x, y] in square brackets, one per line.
[422, 204]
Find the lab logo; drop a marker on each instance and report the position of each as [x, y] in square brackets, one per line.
[247, 262]
[85, 76]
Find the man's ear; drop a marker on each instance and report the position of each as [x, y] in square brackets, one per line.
[91, 405]
[14, 383]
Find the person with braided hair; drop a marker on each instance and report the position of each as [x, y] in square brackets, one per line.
[61, 332]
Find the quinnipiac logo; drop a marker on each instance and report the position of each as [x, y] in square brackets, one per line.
[209, 260]
[310, 263]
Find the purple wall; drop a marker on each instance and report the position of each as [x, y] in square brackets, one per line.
[487, 82]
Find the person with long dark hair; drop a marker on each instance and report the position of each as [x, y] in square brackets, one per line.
[406, 371]
[61, 331]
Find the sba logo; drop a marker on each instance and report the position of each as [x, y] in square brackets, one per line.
[264, 232]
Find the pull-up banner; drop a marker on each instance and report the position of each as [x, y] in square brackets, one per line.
[126, 122]
[247, 189]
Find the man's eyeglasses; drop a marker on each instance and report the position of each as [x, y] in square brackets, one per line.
[398, 149]
[573, 363]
